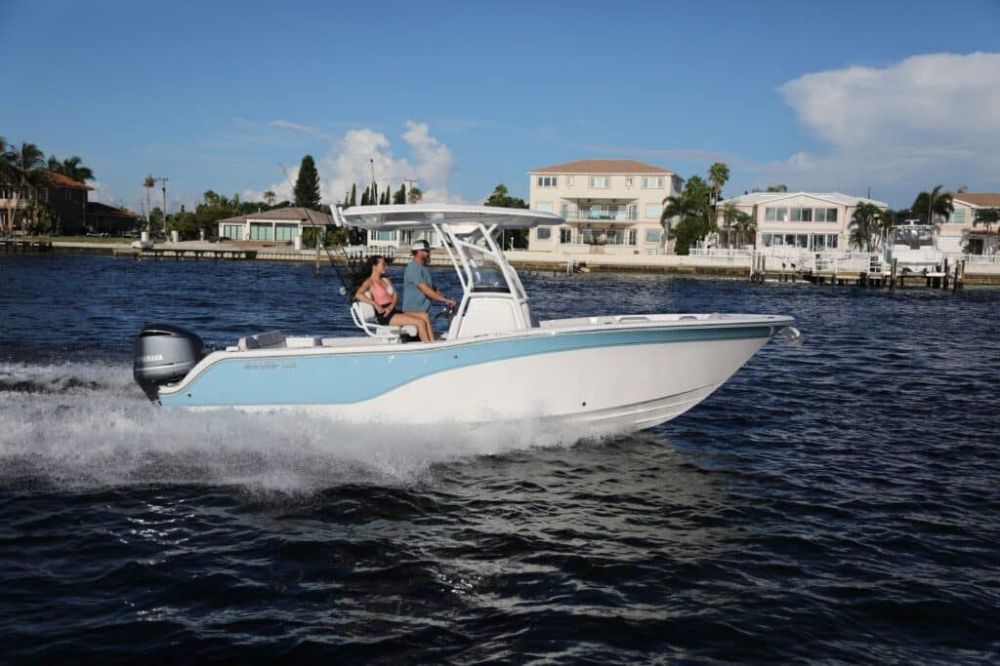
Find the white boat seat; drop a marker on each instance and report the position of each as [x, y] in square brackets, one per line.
[265, 340]
[364, 318]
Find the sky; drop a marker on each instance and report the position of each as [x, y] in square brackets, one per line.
[887, 98]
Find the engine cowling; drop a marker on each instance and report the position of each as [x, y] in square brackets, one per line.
[163, 354]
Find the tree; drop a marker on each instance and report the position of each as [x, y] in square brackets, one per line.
[400, 196]
[415, 195]
[354, 195]
[934, 204]
[863, 225]
[718, 174]
[25, 167]
[729, 217]
[746, 227]
[780, 187]
[693, 211]
[270, 197]
[149, 183]
[501, 198]
[307, 184]
[987, 217]
[71, 168]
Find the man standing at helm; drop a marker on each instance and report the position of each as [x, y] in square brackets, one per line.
[418, 285]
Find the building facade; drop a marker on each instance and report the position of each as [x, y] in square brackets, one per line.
[799, 221]
[957, 234]
[610, 206]
[281, 225]
[65, 199]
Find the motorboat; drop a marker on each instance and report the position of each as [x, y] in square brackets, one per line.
[495, 364]
[912, 246]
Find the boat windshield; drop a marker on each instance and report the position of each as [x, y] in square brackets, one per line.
[913, 237]
[487, 276]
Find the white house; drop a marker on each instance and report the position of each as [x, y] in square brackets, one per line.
[610, 206]
[955, 233]
[277, 225]
[805, 221]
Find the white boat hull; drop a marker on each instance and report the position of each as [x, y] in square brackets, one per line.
[650, 375]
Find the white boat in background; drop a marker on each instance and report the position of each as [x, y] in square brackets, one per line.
[914, 249]
[496, 364]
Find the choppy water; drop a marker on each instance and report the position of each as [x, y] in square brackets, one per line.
[832, 502]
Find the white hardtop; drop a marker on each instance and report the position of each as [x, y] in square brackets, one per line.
[429, 215]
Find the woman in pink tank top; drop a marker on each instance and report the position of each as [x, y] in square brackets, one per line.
[377, 291]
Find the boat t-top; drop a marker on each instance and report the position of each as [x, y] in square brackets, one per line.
[496, 364]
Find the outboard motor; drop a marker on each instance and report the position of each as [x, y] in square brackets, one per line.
[164, 353]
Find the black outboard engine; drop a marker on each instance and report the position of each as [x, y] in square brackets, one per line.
[164, 353]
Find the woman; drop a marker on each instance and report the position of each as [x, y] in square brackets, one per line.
[377, 291]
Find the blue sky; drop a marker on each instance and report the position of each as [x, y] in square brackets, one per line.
[892, 96]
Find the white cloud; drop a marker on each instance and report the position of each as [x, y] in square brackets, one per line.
[431, 165]
[926, 120]
[295, 127]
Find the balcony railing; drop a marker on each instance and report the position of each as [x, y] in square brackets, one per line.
[600, 215]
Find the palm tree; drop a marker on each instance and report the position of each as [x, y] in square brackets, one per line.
[987, 217]
[730, 214]
[149, 183]
[886, 220]
[718, 174]
[674, 207]
[26, 170]
[934, 204]
[415, 195]
[745, 226]
[75, 170]
[863, 224]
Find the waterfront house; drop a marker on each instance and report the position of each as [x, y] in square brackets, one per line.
[800, 221]
[102, 218]
[277, 225]
[610, 206]
[64, 197]
[957, 233]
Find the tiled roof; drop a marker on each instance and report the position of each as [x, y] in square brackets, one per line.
[602, 167]
[104, 210]
[59, 180]
[757, 198]
[305, 215]
[982, 199]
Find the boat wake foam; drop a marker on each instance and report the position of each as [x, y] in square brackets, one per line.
[79, 426]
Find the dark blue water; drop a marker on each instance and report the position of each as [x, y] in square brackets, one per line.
[835, 502]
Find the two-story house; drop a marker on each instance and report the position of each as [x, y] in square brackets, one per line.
[610, 206]
[803, 221]
[957, 234]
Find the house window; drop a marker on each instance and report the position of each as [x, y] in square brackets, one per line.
[285, 232]
[565, 235]
[801, 214]
[628, 182]
[819, 214]
[261, 232]
[382, 235]
[570, 181]
[632, 233]
[233, 231]
[958, 216]
[653, 235]
[543, 233]
[546, 181]
[600, 182]
[544, 206]
[652, 182]
[831, 214]
[653, 211]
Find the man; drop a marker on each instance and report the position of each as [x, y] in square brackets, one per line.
[418, 285]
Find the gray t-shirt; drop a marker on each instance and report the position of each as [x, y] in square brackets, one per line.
[413, 299]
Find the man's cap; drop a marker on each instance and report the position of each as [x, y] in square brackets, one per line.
[420, 245]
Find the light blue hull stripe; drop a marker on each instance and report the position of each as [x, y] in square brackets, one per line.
[325, 379]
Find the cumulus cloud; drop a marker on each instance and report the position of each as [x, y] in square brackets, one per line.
[430, 165]
[926, 120]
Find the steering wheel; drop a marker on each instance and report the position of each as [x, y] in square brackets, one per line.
[449, 311]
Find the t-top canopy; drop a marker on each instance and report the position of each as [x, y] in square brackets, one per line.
[425, 215]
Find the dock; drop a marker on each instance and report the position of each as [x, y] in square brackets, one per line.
[14, 246]
[190, 254]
